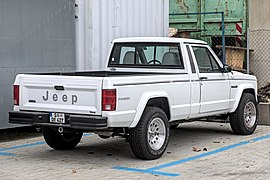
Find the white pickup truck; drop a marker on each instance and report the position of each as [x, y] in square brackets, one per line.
[149, 85]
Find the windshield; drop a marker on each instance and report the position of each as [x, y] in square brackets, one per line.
[146, 54]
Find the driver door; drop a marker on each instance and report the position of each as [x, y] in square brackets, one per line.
[214, 85]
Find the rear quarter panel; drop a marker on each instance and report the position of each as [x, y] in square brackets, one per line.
[134, 92]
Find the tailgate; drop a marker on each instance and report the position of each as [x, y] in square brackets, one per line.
[68, 94]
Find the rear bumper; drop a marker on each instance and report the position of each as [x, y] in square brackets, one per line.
[73, 121]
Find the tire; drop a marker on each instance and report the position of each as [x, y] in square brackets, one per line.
[152, 145]
[66, 141]
[245, 124]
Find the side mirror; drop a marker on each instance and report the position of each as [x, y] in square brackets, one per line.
[226, 68]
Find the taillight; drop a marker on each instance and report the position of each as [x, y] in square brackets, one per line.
[109, 100]
[16, 91]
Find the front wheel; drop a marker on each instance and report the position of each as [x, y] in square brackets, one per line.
[65, 141]
[149, 139]
[244, 120]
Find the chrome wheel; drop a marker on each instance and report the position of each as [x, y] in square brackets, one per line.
[156, 133]
[250, 114]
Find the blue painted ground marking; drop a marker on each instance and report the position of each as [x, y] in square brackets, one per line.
[22, 146]
[2, 153]
[87, 135]
[154, 170]
[6, 154]
[146, 171]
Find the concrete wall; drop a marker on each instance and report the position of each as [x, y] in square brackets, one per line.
[259, 14]
[259, 24]
[35, 36]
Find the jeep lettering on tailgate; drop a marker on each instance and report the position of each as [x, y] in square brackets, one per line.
[64, 98]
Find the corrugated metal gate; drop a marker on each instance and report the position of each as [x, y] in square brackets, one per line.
[35, 36]
[102, 21]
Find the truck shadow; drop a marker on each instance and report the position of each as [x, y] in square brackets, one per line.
[97, 150]
[13, 134]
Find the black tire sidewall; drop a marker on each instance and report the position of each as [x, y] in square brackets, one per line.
[139, 135]
[250, 98]
[237, 118]
[158, 114]
[55, 140]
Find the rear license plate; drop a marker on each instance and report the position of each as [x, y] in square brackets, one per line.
[57, 118]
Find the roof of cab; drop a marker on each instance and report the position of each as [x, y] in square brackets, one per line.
[159, 39]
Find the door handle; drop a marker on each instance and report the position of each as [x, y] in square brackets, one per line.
[61, 88]
[203, 78]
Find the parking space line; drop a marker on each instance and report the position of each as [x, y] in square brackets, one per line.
[146, 171]
[87, 134]
[3, 153]
[179, 162]
[197, 157]
[6, 154]
[22, 146]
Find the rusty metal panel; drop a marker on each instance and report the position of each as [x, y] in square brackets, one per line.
[185, 22]
[209, 24]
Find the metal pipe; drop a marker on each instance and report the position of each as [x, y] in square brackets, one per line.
[80, 32]
[223, 39]
[248, 49]
[195, 13]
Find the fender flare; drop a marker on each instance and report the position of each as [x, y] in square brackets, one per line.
[239, 93]
[143, 102]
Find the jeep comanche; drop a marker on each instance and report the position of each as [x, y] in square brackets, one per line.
[148, 86]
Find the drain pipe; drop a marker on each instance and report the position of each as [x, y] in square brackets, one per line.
[80, 32]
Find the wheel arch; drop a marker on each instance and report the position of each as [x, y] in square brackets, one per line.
[162, 103]
[154, 99]
[244, 88]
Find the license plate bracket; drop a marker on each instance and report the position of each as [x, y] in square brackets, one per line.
[58, 118]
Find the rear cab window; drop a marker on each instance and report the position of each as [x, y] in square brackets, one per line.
[149, 55]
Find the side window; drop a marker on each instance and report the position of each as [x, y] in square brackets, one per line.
[205, 60]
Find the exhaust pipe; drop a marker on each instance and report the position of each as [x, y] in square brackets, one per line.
[60, 130]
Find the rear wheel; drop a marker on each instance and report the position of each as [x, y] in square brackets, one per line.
[64, 141]
[149, 139]
[244, 120]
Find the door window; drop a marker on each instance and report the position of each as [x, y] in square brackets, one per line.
[205, 60]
